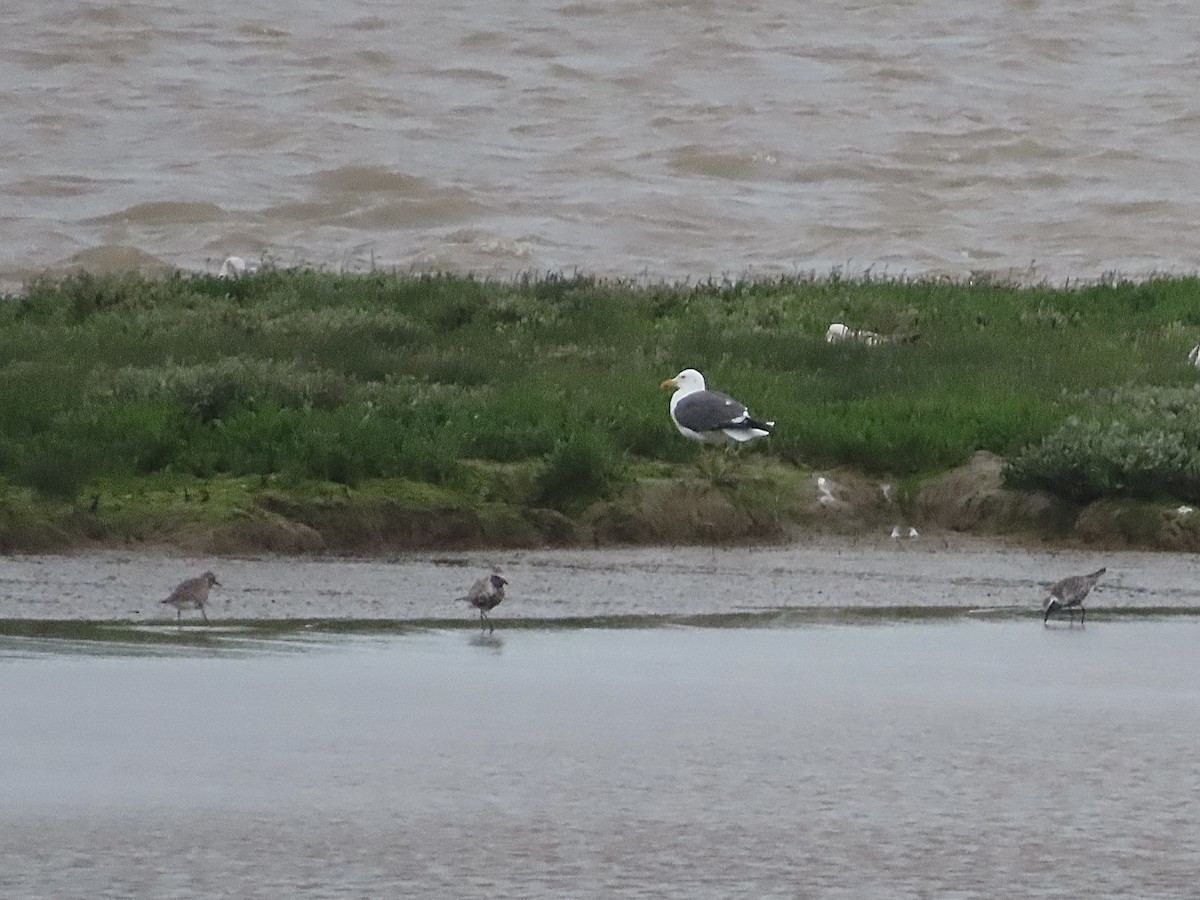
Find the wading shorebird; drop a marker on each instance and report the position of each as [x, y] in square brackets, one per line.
[485, 595]
[710, 417]
[192, 594]
[1069, 593]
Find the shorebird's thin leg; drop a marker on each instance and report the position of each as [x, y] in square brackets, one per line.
[1082, 614]
[203, 613]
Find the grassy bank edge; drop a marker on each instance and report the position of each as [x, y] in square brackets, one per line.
[202, 413]
[722, 501]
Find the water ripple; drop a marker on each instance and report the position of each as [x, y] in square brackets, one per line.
[1003, 121]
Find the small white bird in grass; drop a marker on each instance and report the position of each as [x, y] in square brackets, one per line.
[838, 332]
[1069, 593]
[485, 595]
[1194, 356]
[236, 267]
[710, 417]
[192, 594]
[825, 486]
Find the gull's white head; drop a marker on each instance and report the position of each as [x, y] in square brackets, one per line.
[686, 382]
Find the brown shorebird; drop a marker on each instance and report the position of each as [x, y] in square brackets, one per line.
[192, 594]
[486, 594]
[1069, 593]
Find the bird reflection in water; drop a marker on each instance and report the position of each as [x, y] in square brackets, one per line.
[488, 641]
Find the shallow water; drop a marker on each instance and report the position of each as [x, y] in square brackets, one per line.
[642, 138]
[965, 758]
[846, 719]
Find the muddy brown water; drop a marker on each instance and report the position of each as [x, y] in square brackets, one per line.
[670, 139]
[597, 745]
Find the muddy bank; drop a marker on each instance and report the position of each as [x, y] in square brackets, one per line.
[972, 499]
[835, 573]
[721, 502]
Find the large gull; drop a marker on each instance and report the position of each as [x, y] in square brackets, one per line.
[710, 416]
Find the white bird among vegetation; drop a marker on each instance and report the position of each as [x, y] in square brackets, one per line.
[710, 416]
[825, 486]
[839, 332]
[236, 267]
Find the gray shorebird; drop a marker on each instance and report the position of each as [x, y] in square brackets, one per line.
[192, 594]
[710, 417]
[485, 595]
[1069, 593]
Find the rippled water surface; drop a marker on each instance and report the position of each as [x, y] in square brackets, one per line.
[966, 759]
[642, 138]
[844, 719]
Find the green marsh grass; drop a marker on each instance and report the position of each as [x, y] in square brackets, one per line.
[345, 378]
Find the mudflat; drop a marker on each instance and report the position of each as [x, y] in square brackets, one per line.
[826, 574]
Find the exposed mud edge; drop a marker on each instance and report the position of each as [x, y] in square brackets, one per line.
[770, 506]
[775, 504]
[973, 499]
[734, 502]
[383, 525]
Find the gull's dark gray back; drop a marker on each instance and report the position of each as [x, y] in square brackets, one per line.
[707, 410]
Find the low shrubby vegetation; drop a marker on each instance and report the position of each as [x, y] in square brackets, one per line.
[1142, 443]
[298, 377]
